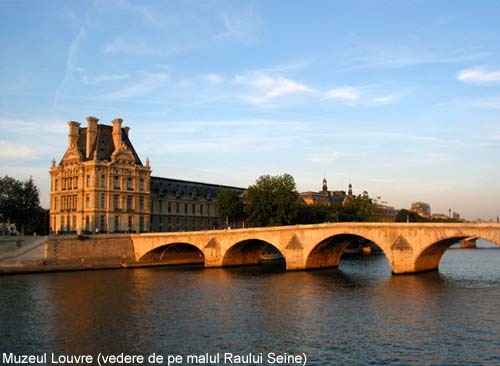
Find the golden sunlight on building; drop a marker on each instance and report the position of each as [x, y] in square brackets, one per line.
[101, 185]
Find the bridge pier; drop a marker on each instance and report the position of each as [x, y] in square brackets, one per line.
[468, 243]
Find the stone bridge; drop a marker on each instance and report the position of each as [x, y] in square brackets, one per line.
[409, 247]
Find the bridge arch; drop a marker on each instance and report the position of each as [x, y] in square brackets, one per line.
[249, 252]
[177, 253]
[430, 257]
[328, 252]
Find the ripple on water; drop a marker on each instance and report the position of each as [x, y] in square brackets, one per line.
[357, 314]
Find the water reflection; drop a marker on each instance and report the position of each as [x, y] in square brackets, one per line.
[358, 313]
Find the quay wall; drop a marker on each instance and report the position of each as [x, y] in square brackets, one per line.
[88, 250]
[65, 253]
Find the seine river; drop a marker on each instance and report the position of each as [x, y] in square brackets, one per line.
[356, 315]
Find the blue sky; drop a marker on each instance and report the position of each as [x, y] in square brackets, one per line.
[401, 98]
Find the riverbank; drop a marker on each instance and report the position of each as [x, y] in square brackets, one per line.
[69, 253]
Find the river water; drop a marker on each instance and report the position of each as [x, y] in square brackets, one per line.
[357, 315]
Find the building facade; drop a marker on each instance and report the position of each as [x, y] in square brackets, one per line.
[326, 197]
[421, 208]
[384, 213]
[101, 185]
[178, 205]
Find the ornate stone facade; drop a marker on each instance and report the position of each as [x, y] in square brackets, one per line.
[100, 184]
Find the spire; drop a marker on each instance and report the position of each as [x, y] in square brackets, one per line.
[349, 191]
[325, 186]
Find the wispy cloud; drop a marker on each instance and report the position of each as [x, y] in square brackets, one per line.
[373, 56]
[360, 95]
[149, 83]
[265, 87]
[343, 94]
[9, 150]
[214, 78]
[130, 47]
[89, 80]
[146, 13]
[428, 159]
[18, 126]
[479, 75]
[486, 103]
[328, 157]
[386, 99]
[71, 64]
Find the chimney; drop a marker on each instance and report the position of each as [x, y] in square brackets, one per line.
[117, 133]
[91, 135]
[73, 133]
[126, 130]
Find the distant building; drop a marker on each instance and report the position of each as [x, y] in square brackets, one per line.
[101, 185]
[384, 213]
[439, 217]
[178, 205]
[326, 197]
[421, 208]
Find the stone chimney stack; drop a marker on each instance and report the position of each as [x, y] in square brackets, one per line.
[126, 130]
[73, 133]
[91, 135]
[117, 133]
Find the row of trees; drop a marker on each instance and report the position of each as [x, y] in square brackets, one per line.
[20, 204]
[409, 216]
[274, 201]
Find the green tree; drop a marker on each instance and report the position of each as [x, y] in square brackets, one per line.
[315, 214]
[358, 208]
[409, 216]
[20, 203]
[230, 206]
[272, 201]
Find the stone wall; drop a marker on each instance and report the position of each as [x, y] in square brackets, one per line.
[91, 250]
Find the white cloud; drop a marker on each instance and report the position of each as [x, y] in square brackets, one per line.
[267, 87]
[479, 75]
[328, 157]
[8, 150]
[284, 86]
[385, 99]
[214, 78]
[345, 94]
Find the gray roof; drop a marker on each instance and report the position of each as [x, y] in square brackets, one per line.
[179, 188]
[104, 144]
